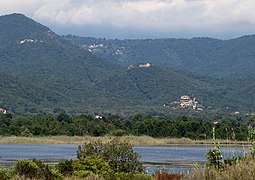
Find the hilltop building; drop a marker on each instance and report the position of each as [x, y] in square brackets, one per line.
[3, 111]
[98, 117]
[186, 101]
[144, 65]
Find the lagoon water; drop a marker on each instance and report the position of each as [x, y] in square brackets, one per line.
[174, 158]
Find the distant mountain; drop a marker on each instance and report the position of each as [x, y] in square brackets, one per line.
[35, 54]
[31, 49]
[44, 72]
[233, 58]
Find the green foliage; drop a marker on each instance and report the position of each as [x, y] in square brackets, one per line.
[55, 175]
[91, 165]
[205, 56]
[83, 173]
[4, 174]
[253, 151]
[65, 167]
[47, 172]
[119, 155]
[35, 169]
[215, 158]
[52, 75]
[27, 168]
[80, 125]
[26, 133]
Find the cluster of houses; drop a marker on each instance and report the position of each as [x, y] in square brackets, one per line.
[186, 101]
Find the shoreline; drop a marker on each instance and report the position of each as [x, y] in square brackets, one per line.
[134, 140]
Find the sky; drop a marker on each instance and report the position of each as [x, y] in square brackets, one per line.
[129, 19]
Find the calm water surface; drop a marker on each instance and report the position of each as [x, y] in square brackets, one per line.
[177, 158]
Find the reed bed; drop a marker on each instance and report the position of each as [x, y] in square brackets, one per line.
[134, 140]
[244, 169]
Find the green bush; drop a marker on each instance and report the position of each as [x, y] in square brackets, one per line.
[119, 155]
[36, 169]
[92, 165]
[27, 168]
[4, 174]
[46, 172]
[65, 167]
[83, 173]
[55, 175]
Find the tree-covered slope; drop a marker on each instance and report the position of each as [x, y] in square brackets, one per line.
[157, 86]
[43, 72]
[39, 57]
[205, 56]
[30, 49]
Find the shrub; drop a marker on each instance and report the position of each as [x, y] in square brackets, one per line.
[35, 169]
[65, 167]
[83, 173]
[27, 168]
[119, 155]
[46, 172]
[92, 165]
[55, 175]
[4, 175]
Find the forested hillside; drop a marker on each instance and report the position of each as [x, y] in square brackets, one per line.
[43, 72]
[206, 56]
[39, 57]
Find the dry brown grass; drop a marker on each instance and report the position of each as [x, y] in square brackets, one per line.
[134, 140]
[243, 170]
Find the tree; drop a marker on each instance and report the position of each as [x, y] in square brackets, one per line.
[120, 155]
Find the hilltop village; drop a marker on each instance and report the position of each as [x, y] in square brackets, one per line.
[186, 101]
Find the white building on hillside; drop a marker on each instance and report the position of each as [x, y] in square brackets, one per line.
[3, 111]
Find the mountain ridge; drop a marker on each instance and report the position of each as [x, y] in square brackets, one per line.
[51, 74]
[204, 56]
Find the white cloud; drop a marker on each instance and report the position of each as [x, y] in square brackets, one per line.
[27, 7]
[218, 16]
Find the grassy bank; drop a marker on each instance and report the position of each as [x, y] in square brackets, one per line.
[134, 140]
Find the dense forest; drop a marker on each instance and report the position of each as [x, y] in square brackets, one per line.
[231, 127]
[43, 72]
[205, 56]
